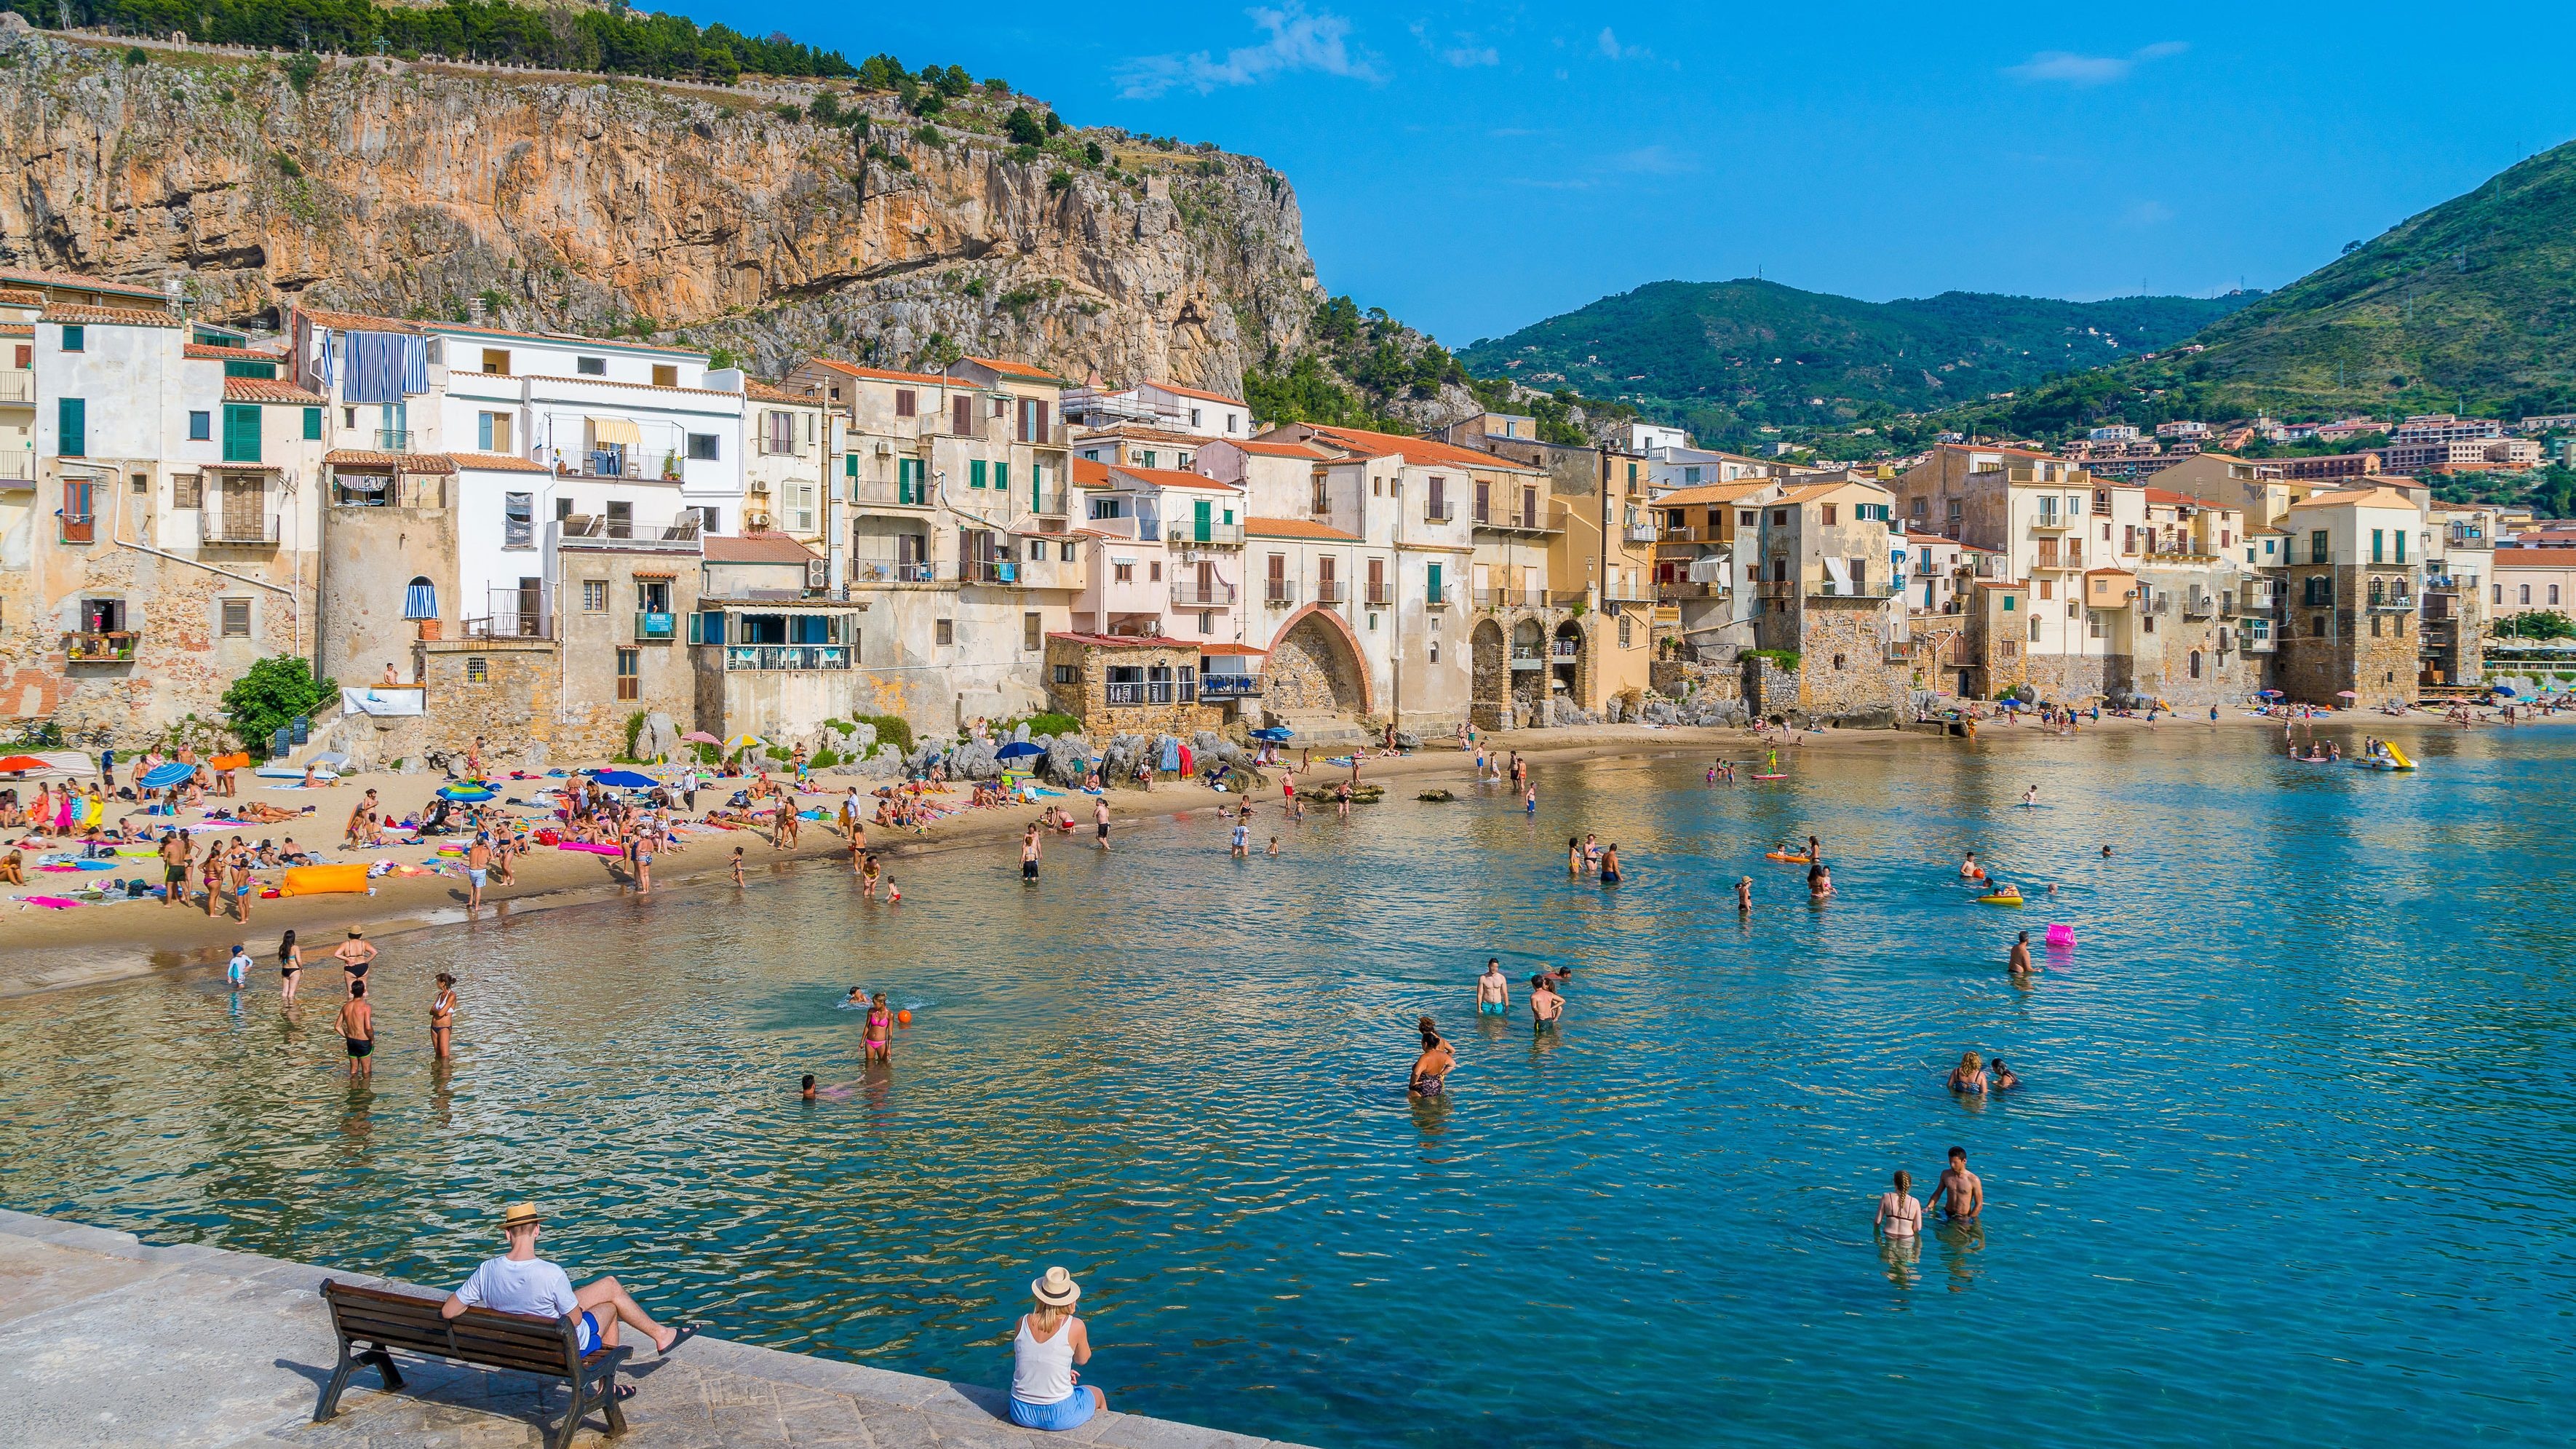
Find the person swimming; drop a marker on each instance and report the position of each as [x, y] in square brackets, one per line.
[1430, 1076]
[1970, 870]
[2004, 1080]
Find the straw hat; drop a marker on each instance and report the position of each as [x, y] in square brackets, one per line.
[1057, 1289]
[520, 1215]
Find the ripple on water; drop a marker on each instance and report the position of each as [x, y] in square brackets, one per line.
[2291, 1165]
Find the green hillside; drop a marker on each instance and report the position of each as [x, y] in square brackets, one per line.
[2473, 300]
[1726, 356]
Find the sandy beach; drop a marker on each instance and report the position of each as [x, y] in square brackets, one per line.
[49, 950]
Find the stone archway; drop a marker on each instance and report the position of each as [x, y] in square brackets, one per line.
[1492, 698]
[1315, 667]
[1569, 660]
[1529, 677]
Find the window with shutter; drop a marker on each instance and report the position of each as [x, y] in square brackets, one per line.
[71, 422]
[961, 416]
[241, 432]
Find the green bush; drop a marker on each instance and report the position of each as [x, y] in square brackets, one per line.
[634, 731]
[301, 68]
[269, 694]
[1049, 723]
[1787, 659]
[137, 55]
[891, 730]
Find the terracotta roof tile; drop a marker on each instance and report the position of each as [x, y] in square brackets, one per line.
[1174, 387]
[13, 297]
[1428, 452]
[1732, 492]
[207, 352]
[770, 548]
[1297, 528]
[73, 281]
[356, 321]
[497, 463]
[1014, 369]
[1125, 641]
[267, 390]
[395, 462]
[110, 316]
[1171, 478]
[1270, 449]
[879, 374]
[767, 392]
[1090, 474]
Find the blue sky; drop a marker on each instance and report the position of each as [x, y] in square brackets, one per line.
[1476, 167]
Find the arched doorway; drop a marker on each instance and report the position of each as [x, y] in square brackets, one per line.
[1529, 672]
[1315, 668]
[1569, 659]
[1492, 676]
[2195, 664]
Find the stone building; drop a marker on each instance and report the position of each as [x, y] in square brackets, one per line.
[1827, 586]
[1996, 645]
[2350, 611]
[1127, 685]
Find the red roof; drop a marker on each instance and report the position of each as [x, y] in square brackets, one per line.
[768, 548]
[204, 351]
[1088, 473]
[1171, 478]
[1297, 528]
[110, 316]
[497, 463]
[1425, 451]
[394, 462]
[1174, 387]
[267, 390]
[769, 392]
[1275, 450]
[880, 374]
[2535, 558]
[1232, 649]
[72, 282]
[1013, 369]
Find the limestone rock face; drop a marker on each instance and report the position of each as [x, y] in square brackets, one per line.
[554, 203]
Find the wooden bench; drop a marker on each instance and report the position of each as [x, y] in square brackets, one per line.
[483, 1337]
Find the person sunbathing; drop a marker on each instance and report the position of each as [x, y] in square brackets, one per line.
[13, 868]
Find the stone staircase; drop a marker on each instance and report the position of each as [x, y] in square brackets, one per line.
[1317, 730]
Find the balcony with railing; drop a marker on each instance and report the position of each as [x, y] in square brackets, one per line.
[1229, 686]
[1439, 510]
[1331, 591]
[592, 530]
[230, 527]
[509, 618]
[1516, 521]
[104, 647]
[17, 387]
[1279, 593]
[656, 626]
[1378, 597]
[76, 527]
[1191, 594]
[1627, 591]
[1050, 503]
[1439, 598]
[901, 571]
[889, 493]
[2055, 522]
[777, 657]
[1511, 598]
[1564, 649]
[18, 465]
[1639, 533]
[1191, 533]
[391, 440]
[1524, 657]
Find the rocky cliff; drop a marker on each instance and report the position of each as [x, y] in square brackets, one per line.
[594, 205]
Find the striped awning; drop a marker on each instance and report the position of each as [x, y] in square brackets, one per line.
[615, 432]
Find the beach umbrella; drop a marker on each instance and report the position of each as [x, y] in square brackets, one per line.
[740, 743]
[2346, 694]
[2504, 689]
[465, 794]
[1018, 750]
[2270, 693]
[164, 776]
[16, 764]
[700, 737]
[1274, 734]
[624, 779]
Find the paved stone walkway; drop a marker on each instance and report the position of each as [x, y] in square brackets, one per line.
[104, 1341]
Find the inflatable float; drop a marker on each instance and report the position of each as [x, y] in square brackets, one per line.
[584, 845]
[2011, 900]
[323, 880]
[1791, 859]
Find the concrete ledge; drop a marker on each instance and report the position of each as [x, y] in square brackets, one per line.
[109, 1341]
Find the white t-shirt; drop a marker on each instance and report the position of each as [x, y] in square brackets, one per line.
[533, 1286]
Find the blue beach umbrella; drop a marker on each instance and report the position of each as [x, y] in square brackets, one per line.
[624, 779]
[2504, 689]
[1274, 734]
[1018, 750]
[162, 777]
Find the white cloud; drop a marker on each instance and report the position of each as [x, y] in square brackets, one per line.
[2090, 70]
[1472, 55]
[1655, 161]
[1610, 47]
[1297, 42]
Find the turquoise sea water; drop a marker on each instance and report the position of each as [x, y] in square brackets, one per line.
[2294, 1165]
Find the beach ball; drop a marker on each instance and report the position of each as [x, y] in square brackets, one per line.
[904, 1017]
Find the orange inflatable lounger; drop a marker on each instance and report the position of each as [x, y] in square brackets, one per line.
[323, 880]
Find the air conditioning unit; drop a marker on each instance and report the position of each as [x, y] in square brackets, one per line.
[885, 448]
[755, 522]
[816, 573]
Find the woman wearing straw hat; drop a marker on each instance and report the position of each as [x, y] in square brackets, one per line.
[1043, 1354]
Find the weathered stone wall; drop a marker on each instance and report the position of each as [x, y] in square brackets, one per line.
[1675, 678]
[1086, 695]
[502, 691]
[1844, 671]
[2348, 644]
[369, 556]
[1769, 691]
[2071, 678]
[589, 717]
[1492, 683]
[1310, 670]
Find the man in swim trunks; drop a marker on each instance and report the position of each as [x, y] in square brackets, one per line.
[2019, 965]
[1029, 855]
[1100, 821]
[1493, 989]
[1960, 1189]
[1546, 1007]
[1744, 895]
[174, 867]
[478, 870]
[355, 955]
[357, 1026]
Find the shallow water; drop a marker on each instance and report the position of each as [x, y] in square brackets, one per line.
[2292, 1165]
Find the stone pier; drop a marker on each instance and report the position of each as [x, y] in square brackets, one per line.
[105, 1341]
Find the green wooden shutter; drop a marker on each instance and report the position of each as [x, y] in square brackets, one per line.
[1002, 476]
[1037, 486]
[1431, 583]
[849, 465]
[975, 474]
[313, 425]
[71, 420]
[1199, 519]
[241, 432]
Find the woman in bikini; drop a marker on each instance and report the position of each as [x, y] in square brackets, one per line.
[1573, 855]
[290, 967]
[879, 1041]
[1431, 1069]
[1969, 1075]
[442, 1016]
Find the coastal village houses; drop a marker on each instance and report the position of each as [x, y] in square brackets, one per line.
[545, 539]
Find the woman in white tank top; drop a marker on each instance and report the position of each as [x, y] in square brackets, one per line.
[1044, 1394]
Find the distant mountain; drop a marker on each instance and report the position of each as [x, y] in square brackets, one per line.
[2474, 300]
[1718, 354]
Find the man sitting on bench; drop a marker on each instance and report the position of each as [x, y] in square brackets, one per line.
[521, 1282]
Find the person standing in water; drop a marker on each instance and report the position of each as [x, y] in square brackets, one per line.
[2019, 964]
[878, 1044]
[1610, 872]
[1744, 895]
[290, 967]
[1029, 855]
[442, 1017]
[2030, 797]
[1100, 821]
[1961, 1190]
[1430, 1075]
[1573, 856]
[1547, 1008]
[355, 955]
[356, 1024]
[1899, 1215]
[1493, 990]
